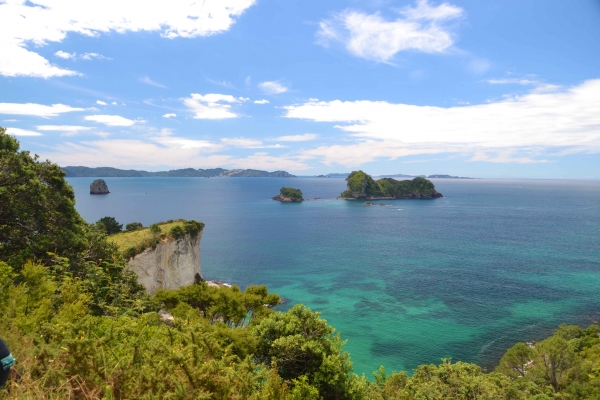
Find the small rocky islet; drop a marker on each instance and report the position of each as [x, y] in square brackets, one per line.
[99, 186]
[289, 195]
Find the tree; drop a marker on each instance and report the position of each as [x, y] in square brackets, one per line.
[134, 226]
[299, 343]
[516, 360]
[37, 208]
[110, 224]
[155, 230]
[554, 360]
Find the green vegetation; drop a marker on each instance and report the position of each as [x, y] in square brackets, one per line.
[362, 186]
[37, 213]
[131, 243]
[81, 327]
[134, 226]
[295, 194]
[109, 225]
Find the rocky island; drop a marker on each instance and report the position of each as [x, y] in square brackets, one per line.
[289, 195]
[99, 187]
[362, 187]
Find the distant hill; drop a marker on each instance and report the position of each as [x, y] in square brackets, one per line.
[108, 172]
[447, 177]
[335, 175]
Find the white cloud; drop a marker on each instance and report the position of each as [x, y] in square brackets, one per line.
[223, 83]
[273, 87]
[43, 21]
[169, 115]
[100, 102]
[212, 105]
[174, 153]
[248, 143]
[373, 37]
[111, 120]
[540, 87]
[114, 103]
[150, 82]
[91, 56]
[263, 101]
[38, 110]
[63, 128]
[64, 54]
[516, 129]
[66, 130]
[21, 132]
[297, 138]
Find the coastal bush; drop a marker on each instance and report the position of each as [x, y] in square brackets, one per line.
[177, 232]
[37, 213]
[134, 226]
[110, 225]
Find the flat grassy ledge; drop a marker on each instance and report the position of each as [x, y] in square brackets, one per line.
[133, 243]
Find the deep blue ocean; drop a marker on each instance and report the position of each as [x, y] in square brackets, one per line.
[466, 276]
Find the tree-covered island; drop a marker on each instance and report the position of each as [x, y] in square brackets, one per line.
[289, 195]
[362, 187]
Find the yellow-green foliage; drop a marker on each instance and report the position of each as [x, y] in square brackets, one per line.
[124, 240]
[135, 242]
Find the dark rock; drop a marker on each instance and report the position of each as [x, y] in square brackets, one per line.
[99, 187]
[284, 199]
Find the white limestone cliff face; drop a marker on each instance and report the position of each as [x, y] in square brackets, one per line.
[172, 264]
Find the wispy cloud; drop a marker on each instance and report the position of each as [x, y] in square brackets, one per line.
[101, 103]
[539, 86]
[146, 80]
[65, 130]
[111, 120]
[39, 110]
[374, 37]
[170, 115]
[273, 87]
[297, 138]
[263, 101]
[223, 83]
[247, 143]
[212, 105]
[21, 132]
[92, 56]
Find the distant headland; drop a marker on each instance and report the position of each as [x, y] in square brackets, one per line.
[436, 176]
[362, 187]
[108, 172]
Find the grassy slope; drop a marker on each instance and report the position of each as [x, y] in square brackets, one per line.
[124, 240]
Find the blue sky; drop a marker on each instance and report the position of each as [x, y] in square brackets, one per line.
[473, 88]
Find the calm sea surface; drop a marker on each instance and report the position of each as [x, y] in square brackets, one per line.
[466, 276]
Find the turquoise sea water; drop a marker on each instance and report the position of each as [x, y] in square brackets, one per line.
[466, 276]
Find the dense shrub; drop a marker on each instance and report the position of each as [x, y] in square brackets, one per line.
[134, 226]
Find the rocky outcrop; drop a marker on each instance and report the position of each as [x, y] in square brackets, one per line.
[173, 263]
[99, 187]
[286, 199]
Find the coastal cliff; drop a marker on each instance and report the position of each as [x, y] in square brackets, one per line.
[165, 255]
[171, 264]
